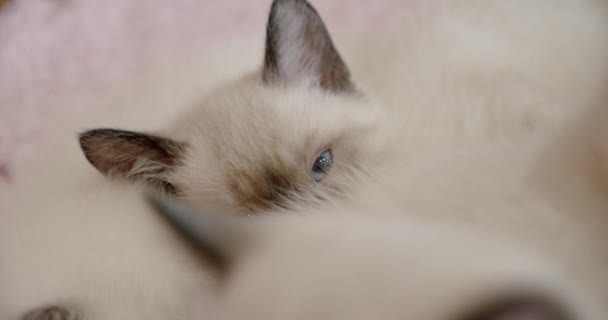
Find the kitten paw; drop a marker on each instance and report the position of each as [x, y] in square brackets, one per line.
[51, 313]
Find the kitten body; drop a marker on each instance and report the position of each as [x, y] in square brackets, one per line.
[453, 238]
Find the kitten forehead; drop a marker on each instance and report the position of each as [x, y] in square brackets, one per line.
[278, 111]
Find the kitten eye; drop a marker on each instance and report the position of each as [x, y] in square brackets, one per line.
[322, 166]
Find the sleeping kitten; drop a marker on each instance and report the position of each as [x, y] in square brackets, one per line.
[221, 153]
[492, 232]
[495, 231]
[303, 128]
[298, 129]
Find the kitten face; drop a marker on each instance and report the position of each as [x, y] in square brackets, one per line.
[256, 147]
[296, 130]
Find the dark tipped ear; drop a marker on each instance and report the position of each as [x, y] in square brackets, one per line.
[218, 238]
[298, 46]
[521, 308]
[132, 155]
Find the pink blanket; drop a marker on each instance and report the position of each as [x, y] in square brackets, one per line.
[52, 49]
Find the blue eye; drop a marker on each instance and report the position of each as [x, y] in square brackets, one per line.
[322, 165]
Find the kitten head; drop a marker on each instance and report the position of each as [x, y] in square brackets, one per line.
[298, 129]
[328, 267]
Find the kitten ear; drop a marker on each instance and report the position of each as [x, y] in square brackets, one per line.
[522, 308]
[132, 155]
[218, 238]
[299, 46]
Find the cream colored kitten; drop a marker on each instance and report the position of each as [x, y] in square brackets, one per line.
[106, 256]
[450, 74]
[456, 84]
[496, 231]
[261, 139]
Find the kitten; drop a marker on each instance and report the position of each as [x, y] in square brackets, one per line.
[79, 249]
[441, 123]
[305, 126]
[495, 231]
[262, 139]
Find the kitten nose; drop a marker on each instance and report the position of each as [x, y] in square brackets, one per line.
[268, 197]
[269, 188]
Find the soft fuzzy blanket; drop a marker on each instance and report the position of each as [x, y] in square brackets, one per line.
[57, 50]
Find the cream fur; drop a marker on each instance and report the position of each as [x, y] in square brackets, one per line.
[471, 226]
[443, 95]
[94, 247]
[451, 74]
[461, 232]
[354, 267]
[455, 74]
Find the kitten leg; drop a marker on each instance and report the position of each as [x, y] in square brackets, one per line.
[51, 313]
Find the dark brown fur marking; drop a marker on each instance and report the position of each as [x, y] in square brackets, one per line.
[268, 187]
[271, 60]
[115, 152]
[333, 73]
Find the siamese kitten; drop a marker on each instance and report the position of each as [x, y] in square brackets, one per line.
[305, 126]
[296, 130]
[496, 231]
[429, 123]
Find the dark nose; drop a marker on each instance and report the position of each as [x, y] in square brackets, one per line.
[269, 188]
